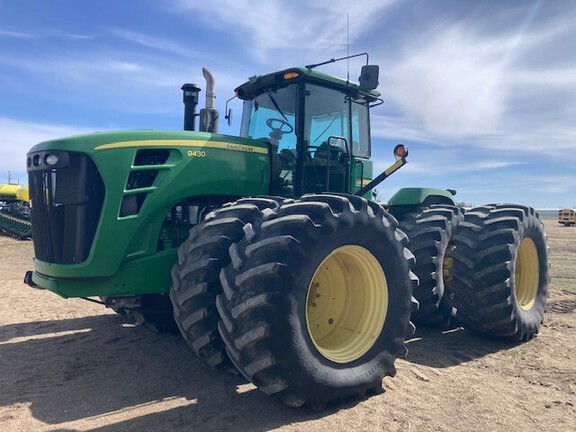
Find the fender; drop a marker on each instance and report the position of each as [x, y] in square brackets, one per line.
[408, 199]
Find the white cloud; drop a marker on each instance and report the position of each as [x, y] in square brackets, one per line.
[555, 185]
[454, 84]
[41, 34]
[15, 34]
[487, 165]
[540, 32]
[155, 42]
[421, 168]
[463, 88]
[17, 137]
[274, 27]
[401, 128]
[125, 81]
[549, 77]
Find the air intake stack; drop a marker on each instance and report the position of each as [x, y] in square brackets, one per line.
[190, 99]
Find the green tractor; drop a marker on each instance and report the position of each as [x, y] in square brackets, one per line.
[267, 252]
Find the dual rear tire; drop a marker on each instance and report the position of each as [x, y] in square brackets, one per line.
[486, 270]
[195, 276]
[316, 302]
[501, 272]
[431, 232]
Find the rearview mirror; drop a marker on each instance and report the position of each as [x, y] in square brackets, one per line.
[369, 77]
[228, 116]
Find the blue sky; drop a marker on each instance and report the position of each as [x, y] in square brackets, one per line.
[483, 92]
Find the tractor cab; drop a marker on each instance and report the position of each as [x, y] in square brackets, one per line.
[317, 128]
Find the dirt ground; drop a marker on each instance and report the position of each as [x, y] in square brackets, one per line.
[71, 365]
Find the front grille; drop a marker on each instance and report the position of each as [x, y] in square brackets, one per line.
[66, 201]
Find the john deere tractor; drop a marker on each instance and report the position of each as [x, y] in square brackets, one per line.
[266, 250]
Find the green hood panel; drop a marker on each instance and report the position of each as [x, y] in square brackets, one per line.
[99, 141]
[196, 164]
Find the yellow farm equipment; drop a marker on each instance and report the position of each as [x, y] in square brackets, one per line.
[567, 217]
[14, 211]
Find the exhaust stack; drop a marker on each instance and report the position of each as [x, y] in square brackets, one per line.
[210, 83]
[209, 115]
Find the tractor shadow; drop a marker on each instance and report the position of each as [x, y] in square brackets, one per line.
[442, 349]
[99, 373]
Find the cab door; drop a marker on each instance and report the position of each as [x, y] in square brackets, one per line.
[326, 163]
[361, 171]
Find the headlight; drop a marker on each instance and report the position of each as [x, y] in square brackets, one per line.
[51, 159]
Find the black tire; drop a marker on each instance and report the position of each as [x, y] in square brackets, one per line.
[409, 219]
[270, 323]
[195, 276]
[501, 271]
[151, 311]
[430, 240]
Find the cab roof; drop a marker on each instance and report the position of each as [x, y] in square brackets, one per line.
[259, 83]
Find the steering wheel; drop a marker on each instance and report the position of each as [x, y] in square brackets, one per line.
[278, 131]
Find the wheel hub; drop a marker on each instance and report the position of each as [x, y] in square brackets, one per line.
[346, 304]
[447, 265]
[526, 274]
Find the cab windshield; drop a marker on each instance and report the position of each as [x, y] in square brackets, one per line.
[271, 116]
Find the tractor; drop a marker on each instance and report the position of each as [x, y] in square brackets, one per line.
[267, 250]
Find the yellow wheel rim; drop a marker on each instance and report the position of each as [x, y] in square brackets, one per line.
[447, 264]
[346, 304]
[527, 274]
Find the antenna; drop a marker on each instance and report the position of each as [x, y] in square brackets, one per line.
[348, 46]
[333, 60]
[10, 179]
